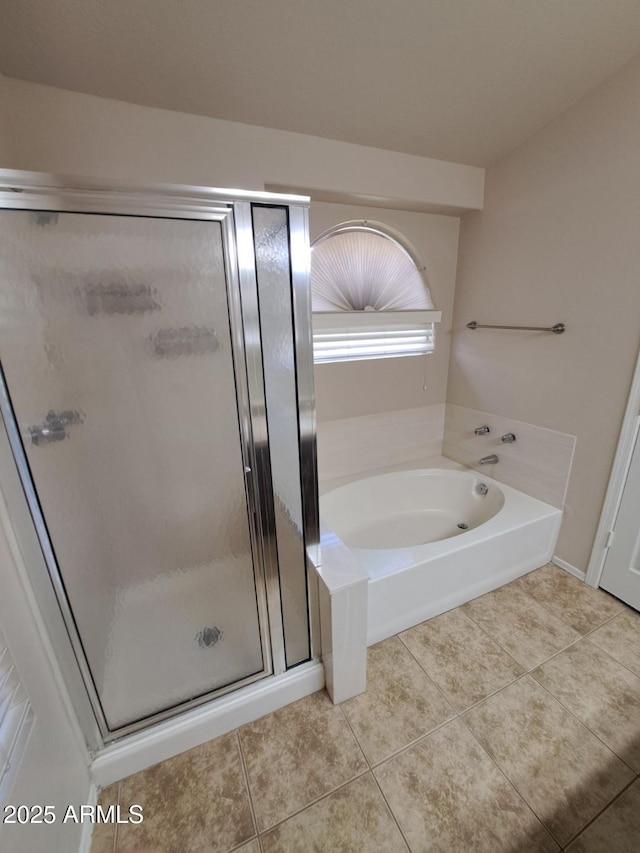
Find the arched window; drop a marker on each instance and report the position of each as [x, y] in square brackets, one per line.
[370, 296]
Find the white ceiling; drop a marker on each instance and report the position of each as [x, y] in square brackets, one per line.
[460, 80]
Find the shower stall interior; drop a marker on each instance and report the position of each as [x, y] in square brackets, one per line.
[158, 451]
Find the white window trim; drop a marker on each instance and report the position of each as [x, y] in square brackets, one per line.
[362, 335]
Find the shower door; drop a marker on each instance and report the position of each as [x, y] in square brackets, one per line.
[125, 396]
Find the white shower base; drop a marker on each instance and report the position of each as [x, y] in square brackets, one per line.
[154, 659]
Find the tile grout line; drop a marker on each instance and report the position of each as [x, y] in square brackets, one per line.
[583, 583]
[478, 625]
[606, 622]
[600, 813]
[586, 636]
[484, 630]
[580, 722]
[313, 802]
[261, 832]
[430, 677]
[497, 690]
[391, 812]
[529, 671]
[612, 656]
[255, 838]
[375, 765]
[245, 773]
[115, 834]
[554, 654]
[559, 615]
[373, 776]
[413, 743]
[353, 734]
[575, 717]
[553, 566]
[456, 715]
[511, 783]
[494, 693]
[586, 726]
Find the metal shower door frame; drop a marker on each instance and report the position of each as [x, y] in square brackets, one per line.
[35, 191]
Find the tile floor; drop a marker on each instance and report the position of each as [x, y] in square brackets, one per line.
[510, 724]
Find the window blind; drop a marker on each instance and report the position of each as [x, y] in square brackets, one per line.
[15, 717]
[359, 335]
[362, 263]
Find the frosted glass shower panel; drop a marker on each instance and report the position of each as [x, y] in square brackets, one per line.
[273, 268]
[116, 343]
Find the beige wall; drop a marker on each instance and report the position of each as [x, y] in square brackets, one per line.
[8, 158]
[69, 133]
[357, 388]
[558, 241]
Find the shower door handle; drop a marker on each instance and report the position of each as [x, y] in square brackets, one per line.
[54, 427]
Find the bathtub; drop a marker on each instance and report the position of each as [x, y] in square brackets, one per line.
[432, 539]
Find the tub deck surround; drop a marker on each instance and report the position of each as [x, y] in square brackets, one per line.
[343, 596]
[410, 584]
[351, 446]
[458, 745]
[420, 463]
[537, 463]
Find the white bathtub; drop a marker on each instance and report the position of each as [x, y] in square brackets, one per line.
[403, 528]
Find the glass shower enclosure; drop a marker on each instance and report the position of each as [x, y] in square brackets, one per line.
[159, 439]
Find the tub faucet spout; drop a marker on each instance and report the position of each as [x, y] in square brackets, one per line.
[489, 460]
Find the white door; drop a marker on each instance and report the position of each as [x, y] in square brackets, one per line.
[621, 574]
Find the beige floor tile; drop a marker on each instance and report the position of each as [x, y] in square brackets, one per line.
[600, 692]
[103, 836]
[579, 605]
[621, 639]
[249, 847]
[296, 755]
[617, 830]
[465, 663]
[354, 818]
[449, 797]
[197, 801]
[524, 628]
[400, 705]
[562, 770]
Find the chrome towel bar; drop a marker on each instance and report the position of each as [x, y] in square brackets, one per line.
[558, 329]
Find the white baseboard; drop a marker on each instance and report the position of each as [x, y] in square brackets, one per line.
[87, 828]
[577, 573]
[139, 751]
